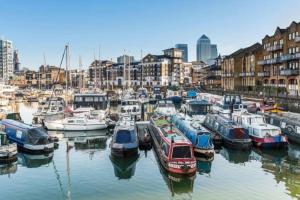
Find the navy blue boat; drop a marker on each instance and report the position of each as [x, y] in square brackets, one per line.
[233, 136]
[199, 136]
[124, 140]
[28, 138]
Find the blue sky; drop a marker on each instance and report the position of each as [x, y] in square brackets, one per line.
[40, 26]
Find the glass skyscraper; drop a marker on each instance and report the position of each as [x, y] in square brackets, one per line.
[184, 48]
[205, 50]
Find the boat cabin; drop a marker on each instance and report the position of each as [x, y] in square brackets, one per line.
[5, 114]
[197, 107]
[97, 101]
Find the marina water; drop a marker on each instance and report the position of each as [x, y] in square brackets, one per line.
[88, 172]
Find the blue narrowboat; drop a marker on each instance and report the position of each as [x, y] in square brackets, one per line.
[28, 138]
[233, 135]
[124, 140]
[199, 136]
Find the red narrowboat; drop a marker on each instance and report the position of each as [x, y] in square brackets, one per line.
[174, 150]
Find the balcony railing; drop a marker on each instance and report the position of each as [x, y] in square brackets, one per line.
[227, 74]
[263, 74]
[293, 87]
[297, 39]
[275, 47]
[242, 74]
[280, 59]
[250, 73]
[289, 72]
[274, 85]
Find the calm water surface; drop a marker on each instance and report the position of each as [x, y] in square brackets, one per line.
[88, 172]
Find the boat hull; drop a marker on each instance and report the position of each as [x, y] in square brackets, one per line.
[184, 170]
[271, 142]
[124, 152]
[235, 144]
[66, 127]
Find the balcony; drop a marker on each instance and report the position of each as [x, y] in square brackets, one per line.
[250, 74]
[297, 39]
[242, 74]
[275, 47]
[280, 59]
[289, 72]
[290, 56]
[227, 74]
[293, 87]
[263, 74]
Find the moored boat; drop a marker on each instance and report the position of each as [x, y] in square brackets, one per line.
[174, 150]
[288, 122]
[199, 136]
[262, 134]
[8, 151]
[174, 96]
[124, 140]
[28, 138]
[165, 108]
[85, 123]
[233, 135]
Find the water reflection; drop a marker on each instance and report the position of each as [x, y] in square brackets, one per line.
[203, 166]
[34, 161]
[178, 184]
[90, 143]
[8, 169]
[124, 167]
[235, 156]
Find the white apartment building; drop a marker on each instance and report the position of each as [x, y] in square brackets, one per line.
[6, 60]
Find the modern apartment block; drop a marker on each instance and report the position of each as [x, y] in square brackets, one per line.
[184, 48]
[280, 61]
[6, 60]
[175, 57]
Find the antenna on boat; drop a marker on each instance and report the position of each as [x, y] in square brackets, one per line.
[124, 77]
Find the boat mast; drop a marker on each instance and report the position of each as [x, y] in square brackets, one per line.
[80, 85]
[142, 69]
[95, 81]
[129, 74]
[67, 66]
[100, 73]
[124, 77]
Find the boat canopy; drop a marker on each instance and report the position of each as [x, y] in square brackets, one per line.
[191, 94]
[124, 136]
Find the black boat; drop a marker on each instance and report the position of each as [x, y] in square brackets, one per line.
[233, 135]
[144, 136]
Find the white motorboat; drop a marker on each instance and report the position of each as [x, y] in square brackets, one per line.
[131, 107]
[165, 108]
[76, 124]
[52, 109]
[229, 104]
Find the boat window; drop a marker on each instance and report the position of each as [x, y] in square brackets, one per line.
[96, 99]
[181, 152]
[60, 109]
[71, 121]
[89, 99]
[78, 99]
[197, 109]
[14, 116]
[165, 148]
[123, 136]
[80, 121]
